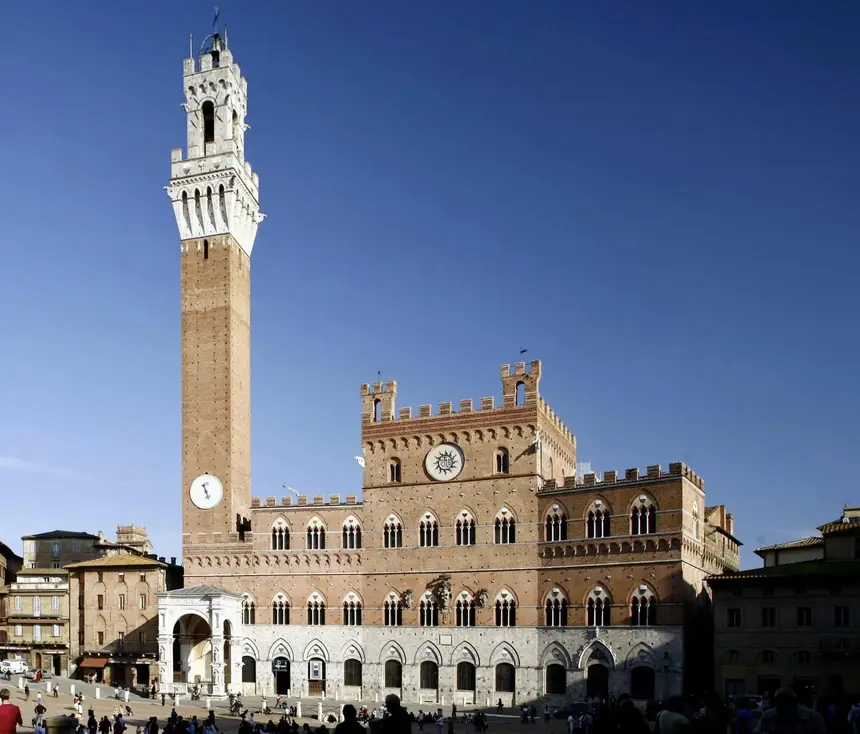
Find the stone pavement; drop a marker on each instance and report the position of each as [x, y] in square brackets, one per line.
[143, 708]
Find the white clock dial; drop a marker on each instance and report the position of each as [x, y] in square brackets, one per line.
[206, 491]
[444, 462]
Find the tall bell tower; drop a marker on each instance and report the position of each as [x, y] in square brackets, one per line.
[214, 194]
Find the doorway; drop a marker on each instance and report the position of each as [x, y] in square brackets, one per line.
[281, 669]
[597, 683]
[316, 677]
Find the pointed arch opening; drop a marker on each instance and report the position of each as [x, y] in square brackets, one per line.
[280, 535]
[465, 528]
[643, 516]
[555, 524]
[466, 610]
[598, 520]
[280, 609]
[249, 610]
[556, 608]
[504, 527]
[428, 610]
[351, 531]
[208, 111]
[598, 608]
[392, 532]
[392, 609]
[352, 610]
[428, 530]
[506, 609]
[315, 534]
[643, 607]
[316, 609]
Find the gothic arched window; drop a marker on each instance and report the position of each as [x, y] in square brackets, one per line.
[465, 607]
[208, 110]
[428, 531]
[506, 610]
[643, 608]
[464, 528]
[393, 610]
[504, 527]
[555, 525]
[428, 611]
[598, 522]
[598, 608]
[316, 534]
[392, 533]
[556, 609]
[643, 517]
[351, 533]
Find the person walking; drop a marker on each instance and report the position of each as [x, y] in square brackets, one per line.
[350, 724]
[10, 714]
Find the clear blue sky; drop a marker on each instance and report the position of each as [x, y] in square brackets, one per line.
[659, 200]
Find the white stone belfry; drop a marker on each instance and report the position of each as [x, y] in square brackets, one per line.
[199, 640]
[213, 189]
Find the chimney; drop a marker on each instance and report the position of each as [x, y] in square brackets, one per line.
[172, 560]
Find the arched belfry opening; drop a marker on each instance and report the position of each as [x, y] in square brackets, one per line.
[208, 111]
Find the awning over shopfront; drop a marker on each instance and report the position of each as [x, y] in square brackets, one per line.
[94, 663]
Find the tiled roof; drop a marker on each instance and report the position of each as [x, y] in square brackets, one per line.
[848, 569]
[840, 526]
[802, 543]
[58, 534]
[119, 560]
[42, 572]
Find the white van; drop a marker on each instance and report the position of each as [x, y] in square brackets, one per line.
[15, 667]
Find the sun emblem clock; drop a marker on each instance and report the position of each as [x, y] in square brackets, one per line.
[444, 462]
[206, 491]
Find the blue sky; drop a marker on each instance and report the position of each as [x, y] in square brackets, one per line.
[659, 200]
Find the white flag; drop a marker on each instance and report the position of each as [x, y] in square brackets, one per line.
[360, 461]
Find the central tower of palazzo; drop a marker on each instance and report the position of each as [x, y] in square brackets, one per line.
[214, 194]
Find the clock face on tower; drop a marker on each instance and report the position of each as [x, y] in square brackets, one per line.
[444, 462]
[206, 491]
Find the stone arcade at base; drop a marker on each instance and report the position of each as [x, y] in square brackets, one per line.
[477, 564]
[466, 665]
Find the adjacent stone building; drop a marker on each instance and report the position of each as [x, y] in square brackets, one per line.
[114, 629]
[796, 620]
[475, 566]
[37, 619]
[84, 605]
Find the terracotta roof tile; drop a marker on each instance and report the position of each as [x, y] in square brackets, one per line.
[119, 561]
[802, 543]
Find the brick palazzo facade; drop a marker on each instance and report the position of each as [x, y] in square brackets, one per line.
[476, 566]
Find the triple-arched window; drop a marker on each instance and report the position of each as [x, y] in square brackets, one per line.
[598, 608]
[643, 516]
[392, 533]
[393, 610]
[506, 609]
[316, 610]
[555, 526]
[316, 534]
[428, 611]
[465, 607]
[428, 531]
[598, 522]
[465, 529]
[280, 610]
[351, 533]
[643, 607]
[352, 610]
[280, 535]
[504, 527]
[555, 609]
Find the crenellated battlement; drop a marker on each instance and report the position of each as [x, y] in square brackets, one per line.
[631, 476]
[317, 500]
[519, 390]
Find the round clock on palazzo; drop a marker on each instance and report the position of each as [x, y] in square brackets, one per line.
[206, 491]
[444, 462]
